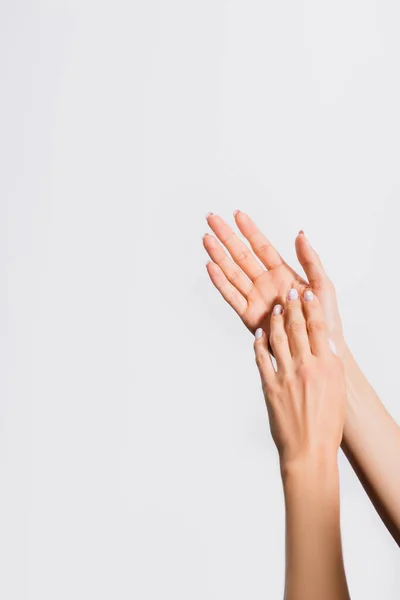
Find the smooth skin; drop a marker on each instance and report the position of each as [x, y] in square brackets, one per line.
[306, 401]
[371, 438]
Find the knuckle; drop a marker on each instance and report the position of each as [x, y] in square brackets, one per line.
[305, 366]
[295, 326]
[235, 275]
[287, 379]
[270, 390]
[306, 371]
[243, 255]
[276, 339]
[264, 248]
[316, 325]
[232, 297]
[259, 359]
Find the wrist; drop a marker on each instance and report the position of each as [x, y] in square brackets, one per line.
[317, 467]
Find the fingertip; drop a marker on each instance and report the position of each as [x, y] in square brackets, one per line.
[239, 214]
[258, 333]
[293, 295]
[208, 239]
[258, 342]
[277, 310]
[308, 296]
[212, 267]
[302, 240]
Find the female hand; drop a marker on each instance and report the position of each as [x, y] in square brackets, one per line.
[306, 398]
[252, 290]
[306, 395]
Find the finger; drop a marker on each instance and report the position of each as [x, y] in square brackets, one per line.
[227, 290]
[232, 272]
[316, 326]
[310, 262]
[279, 340]
[261, 246]
[237, 249]
[295, 324]
[263, 358]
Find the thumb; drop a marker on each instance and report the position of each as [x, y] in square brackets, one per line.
[310, 262]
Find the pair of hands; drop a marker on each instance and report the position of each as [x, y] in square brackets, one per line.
[306, 393]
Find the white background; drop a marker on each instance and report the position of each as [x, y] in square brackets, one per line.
[135, 454]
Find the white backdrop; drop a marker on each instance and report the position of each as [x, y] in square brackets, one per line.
[135, 454]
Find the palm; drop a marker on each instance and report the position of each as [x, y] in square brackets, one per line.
[269, 289]
[251, 289]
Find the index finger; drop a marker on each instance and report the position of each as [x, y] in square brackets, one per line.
[237, 249]
[261, 246]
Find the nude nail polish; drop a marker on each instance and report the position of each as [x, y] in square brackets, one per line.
[293, 294]
[258, 333]
[236, 212]
[308, 296]
[208, 215]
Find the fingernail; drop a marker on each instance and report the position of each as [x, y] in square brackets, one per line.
[208, 215]
[235, 212]
[308, 296]
[258, 333]
[293, 294]
[301, 232]
[277, 309]
[208, 263]
[205, 235]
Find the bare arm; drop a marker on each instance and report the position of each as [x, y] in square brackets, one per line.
[306, 400]
[314, 562]
[371, 438]
[371, 442]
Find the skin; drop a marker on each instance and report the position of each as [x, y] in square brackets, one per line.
[371, 438]
[306, 401]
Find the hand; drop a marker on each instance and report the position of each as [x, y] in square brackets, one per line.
[252, 290]
[306, 396]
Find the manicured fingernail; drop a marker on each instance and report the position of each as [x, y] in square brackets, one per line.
[208, 263]
[332, 345]
[258, 333]
[308, 296]
[205, 235]
[293, 294]
[301, 232]
[277, 309]
[208, 215]
[235, 212]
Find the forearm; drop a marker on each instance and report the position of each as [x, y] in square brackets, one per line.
[314, 562]
[371, 442]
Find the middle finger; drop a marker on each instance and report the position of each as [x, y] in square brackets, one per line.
[240, 253]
